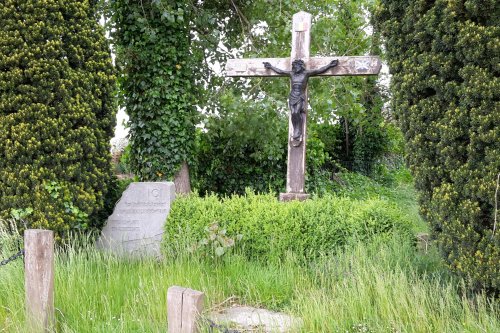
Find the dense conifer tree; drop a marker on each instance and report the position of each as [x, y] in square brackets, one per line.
[56, 112]
[444, 58]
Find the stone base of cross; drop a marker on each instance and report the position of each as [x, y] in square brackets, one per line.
[301, 38]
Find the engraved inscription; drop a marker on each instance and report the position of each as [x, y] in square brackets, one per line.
[136, 225]
[145, 203]
[123, 221]
[125, 228]
[143, 211]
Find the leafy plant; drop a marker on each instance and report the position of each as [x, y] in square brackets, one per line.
[157, 83]
[216, 241]
[19, 214]
[57, 190]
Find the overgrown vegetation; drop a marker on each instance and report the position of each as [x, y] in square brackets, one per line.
[444, 58]
[56, 113]
[377, 286]
[271, 228]
[166, 50]
[380, 284]
[157, 83]
[244, 141]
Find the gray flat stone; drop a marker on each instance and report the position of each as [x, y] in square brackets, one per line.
[136, 226]
[252, 319]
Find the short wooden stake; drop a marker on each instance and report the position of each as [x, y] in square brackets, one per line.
[39, 279]
[184, 307]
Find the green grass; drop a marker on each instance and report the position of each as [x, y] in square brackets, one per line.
[400, 192]
[381, 285]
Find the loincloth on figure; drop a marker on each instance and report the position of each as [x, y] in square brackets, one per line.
[296, 99]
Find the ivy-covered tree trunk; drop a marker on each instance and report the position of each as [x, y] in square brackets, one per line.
[444, 58]
[56, 113]
[157, 82]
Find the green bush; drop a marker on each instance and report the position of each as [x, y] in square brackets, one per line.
[244, 146]
[56, 112]
[444, 58]
[271, 228]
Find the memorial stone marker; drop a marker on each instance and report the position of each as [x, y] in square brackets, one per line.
[136, 226]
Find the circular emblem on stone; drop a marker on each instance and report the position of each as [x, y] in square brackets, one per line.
[155, 193]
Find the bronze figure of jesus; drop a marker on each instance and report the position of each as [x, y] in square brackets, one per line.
[297, 98]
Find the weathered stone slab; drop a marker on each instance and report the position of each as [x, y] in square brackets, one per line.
[136, 226]
[257, 320]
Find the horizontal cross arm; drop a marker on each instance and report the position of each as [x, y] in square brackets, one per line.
[359, 65]
[255, 67]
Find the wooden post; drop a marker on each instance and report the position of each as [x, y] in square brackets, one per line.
[184, 306]
[39, 279]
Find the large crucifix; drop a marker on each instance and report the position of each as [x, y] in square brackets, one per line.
[302, 67]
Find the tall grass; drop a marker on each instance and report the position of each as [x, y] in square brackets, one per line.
[381, 286]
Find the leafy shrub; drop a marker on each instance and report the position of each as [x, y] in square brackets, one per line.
[56, 112]
[216, 242]
[157, 83]
[271, 228]
[243, 147]
[444, 58]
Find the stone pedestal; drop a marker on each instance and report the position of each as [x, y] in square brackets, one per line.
[293, 196]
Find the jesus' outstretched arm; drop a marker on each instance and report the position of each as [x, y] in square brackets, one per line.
[277, 70]
[323, 69]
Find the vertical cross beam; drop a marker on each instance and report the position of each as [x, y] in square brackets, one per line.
[295, 174]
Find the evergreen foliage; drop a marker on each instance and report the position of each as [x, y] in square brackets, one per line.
[56, 113]
[158, 71]
[444, 58]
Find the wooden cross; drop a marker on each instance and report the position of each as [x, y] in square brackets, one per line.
[301, 38]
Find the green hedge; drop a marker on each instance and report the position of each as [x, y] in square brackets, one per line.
[444, 57]
[57, 113]
[271, 228]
